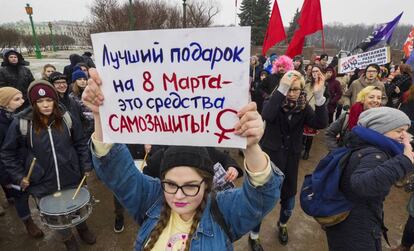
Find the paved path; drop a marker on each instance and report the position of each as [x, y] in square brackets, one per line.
[59, 59]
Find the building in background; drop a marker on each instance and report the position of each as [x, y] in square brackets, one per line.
[75, 30]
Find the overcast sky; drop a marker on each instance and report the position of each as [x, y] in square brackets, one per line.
[344, 11]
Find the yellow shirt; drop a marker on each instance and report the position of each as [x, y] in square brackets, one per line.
[175, 234]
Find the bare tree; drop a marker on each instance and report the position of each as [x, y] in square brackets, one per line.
[27, 41]
[347, 37]
[109, 15]
[9, 38]
[201, 14]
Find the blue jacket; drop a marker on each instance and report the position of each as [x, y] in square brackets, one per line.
[242, 208]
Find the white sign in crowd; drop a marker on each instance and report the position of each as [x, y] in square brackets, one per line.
[173, 87]
[379, 56]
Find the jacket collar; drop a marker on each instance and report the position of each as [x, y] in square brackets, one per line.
[204, 227]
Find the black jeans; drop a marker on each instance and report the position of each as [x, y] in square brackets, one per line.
[21, 202]
[119, 209]
[408, 235]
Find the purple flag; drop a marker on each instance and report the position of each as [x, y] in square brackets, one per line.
[382, 32]
[410, 61]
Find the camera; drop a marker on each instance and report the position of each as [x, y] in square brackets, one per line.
[409, 183]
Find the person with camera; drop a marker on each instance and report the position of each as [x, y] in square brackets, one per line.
[383, 155]
[399, 84]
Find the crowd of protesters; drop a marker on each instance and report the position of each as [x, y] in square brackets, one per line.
[348, 98]
[188, 191]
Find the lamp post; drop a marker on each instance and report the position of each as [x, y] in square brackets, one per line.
[51, 35]
[130, 16]
[184, 14]
[29, 11]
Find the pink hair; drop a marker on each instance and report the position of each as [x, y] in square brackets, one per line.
[283, 60]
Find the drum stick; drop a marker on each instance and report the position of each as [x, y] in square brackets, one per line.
[79, 187]
[31, 169]
[145, 159]
[27, 178]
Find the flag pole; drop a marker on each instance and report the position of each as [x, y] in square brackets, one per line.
[235, 13]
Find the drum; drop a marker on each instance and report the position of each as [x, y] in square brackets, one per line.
[140, 164]
[60, 211]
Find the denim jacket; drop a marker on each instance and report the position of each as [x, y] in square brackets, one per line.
[242, 208]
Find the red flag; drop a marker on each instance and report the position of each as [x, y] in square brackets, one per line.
[275, 31]
[408, 45]
[310, 21]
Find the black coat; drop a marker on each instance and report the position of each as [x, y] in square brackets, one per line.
[68, 69]
[408, 108]
[366, 181]
[72, 155]
[270, 83]
[282, 139]
[73, 107]
[403, 82]
[5, 120]
[17, 76]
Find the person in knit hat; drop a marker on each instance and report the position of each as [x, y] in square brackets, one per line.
[7, 94]
[384, 120]
[382, 155]
[59, 81]
[41, 89]
[79, 83]
[79, 79]
[14, 73]
[60, 149]
[10, 100]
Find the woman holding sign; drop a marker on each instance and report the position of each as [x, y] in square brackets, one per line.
[285, 114]
[180, 211]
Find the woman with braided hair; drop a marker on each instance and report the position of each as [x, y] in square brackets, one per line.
[179, 211]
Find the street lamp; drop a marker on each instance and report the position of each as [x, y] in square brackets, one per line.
[29, 11]
[51, 35]
[130, 16]
[184, 15]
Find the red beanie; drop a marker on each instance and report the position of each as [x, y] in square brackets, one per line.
[41, 89]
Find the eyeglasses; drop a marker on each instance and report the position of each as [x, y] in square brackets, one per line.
[188, 190]
[372, 71]
[60, 83]
[295, 90]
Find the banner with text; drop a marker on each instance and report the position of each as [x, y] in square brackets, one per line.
[173, 87]
[379, 56]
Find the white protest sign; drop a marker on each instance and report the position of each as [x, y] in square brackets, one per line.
[173, 87]
[379, 56]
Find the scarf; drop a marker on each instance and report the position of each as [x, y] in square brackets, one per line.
[392, 147]
[355, 111]
[8, 115]
[295, 106]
